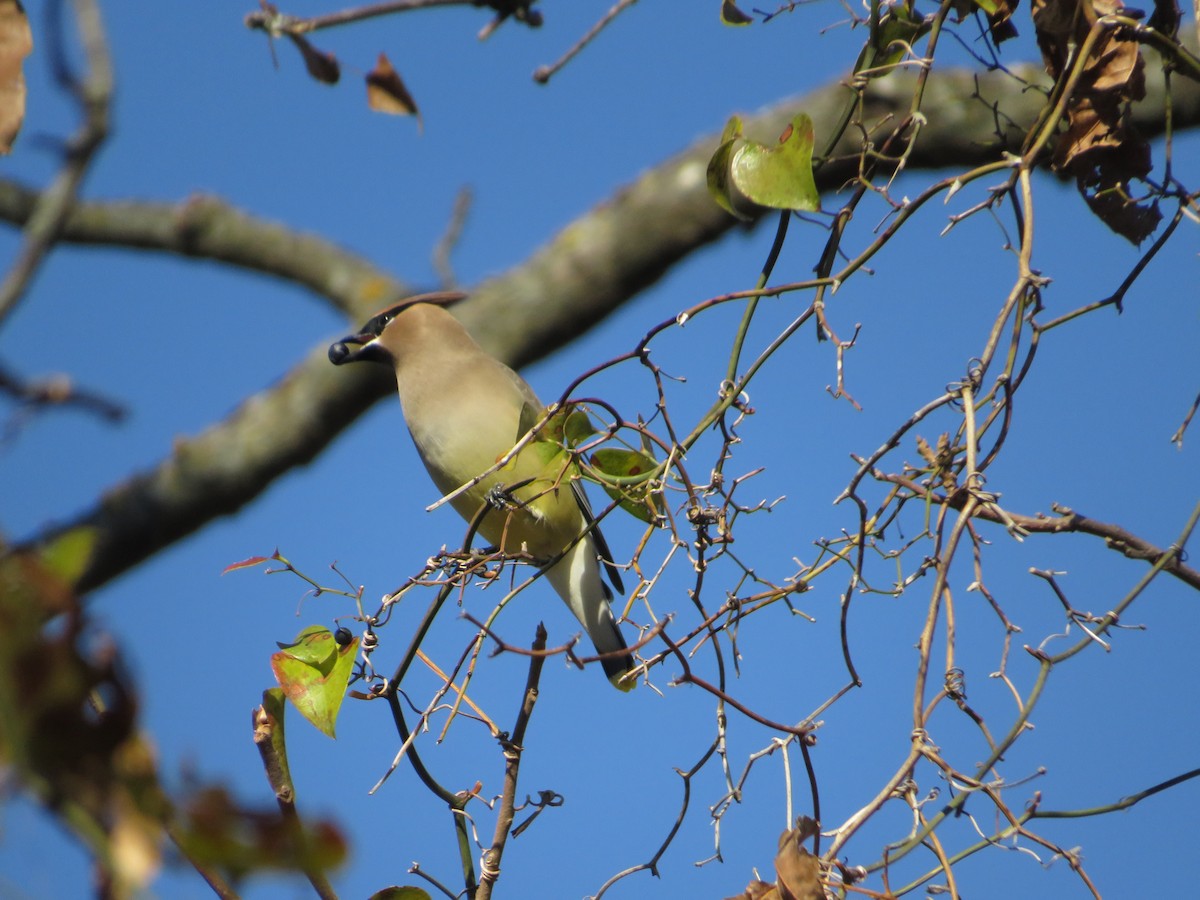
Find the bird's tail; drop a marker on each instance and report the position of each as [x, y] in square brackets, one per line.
[576, 578]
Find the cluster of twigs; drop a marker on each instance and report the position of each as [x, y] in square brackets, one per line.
[948, 492]
[694, 518]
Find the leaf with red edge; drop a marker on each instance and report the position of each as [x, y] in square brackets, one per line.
[618, 470]
[745, 177]
[314, 671]
[248, 563]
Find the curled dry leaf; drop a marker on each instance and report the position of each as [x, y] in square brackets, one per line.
[1167, 17]
[16, 42]
[321, 65]
[731, 15]
[386, 92]
[999, 17]
[1099, 147]
[797, 871]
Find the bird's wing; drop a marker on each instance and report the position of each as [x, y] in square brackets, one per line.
[606, 557]
[531, 414]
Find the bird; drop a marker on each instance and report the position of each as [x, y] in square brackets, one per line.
[465, 411]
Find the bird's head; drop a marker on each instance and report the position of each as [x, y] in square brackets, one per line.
[370, 344]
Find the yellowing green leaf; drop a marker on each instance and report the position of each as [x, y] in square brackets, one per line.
[313, 673]
[577, 427]
[746, 177]
[550, 454]
[315, 646]
[624, 476]
[570, 426]
[898, 29]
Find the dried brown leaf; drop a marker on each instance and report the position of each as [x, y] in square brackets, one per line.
[731, 15]
[1117, 69]
[16, 42]
[1099, 147]
[798, 871]
[386, 92]
[1105, 187]
[1166, 18]
[926, 451]
[54, 740]
[1000, 22]
[322, 66]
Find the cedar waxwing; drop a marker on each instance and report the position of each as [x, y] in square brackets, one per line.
[465, 411]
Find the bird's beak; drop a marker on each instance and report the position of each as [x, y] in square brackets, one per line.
[355, 348]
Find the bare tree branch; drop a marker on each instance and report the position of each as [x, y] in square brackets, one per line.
[93, 92]
[595, 265]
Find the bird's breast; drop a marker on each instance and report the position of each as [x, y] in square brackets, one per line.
[529, 504]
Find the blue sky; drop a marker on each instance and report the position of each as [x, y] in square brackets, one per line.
[201, 110]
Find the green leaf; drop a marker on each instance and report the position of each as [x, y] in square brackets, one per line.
[566, 428]
[577, 426]
[621, 463]
[313, 673]
[721, 186]
[551, 457]
[569, 426]
[733, 129]
[616, 464]
[315, 645]
[899, 28]
[720, 169]
[731, 15]
[745, 176]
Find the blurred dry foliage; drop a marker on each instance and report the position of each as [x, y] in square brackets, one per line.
[920, 503]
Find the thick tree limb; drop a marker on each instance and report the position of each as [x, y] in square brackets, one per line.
[584, 273]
